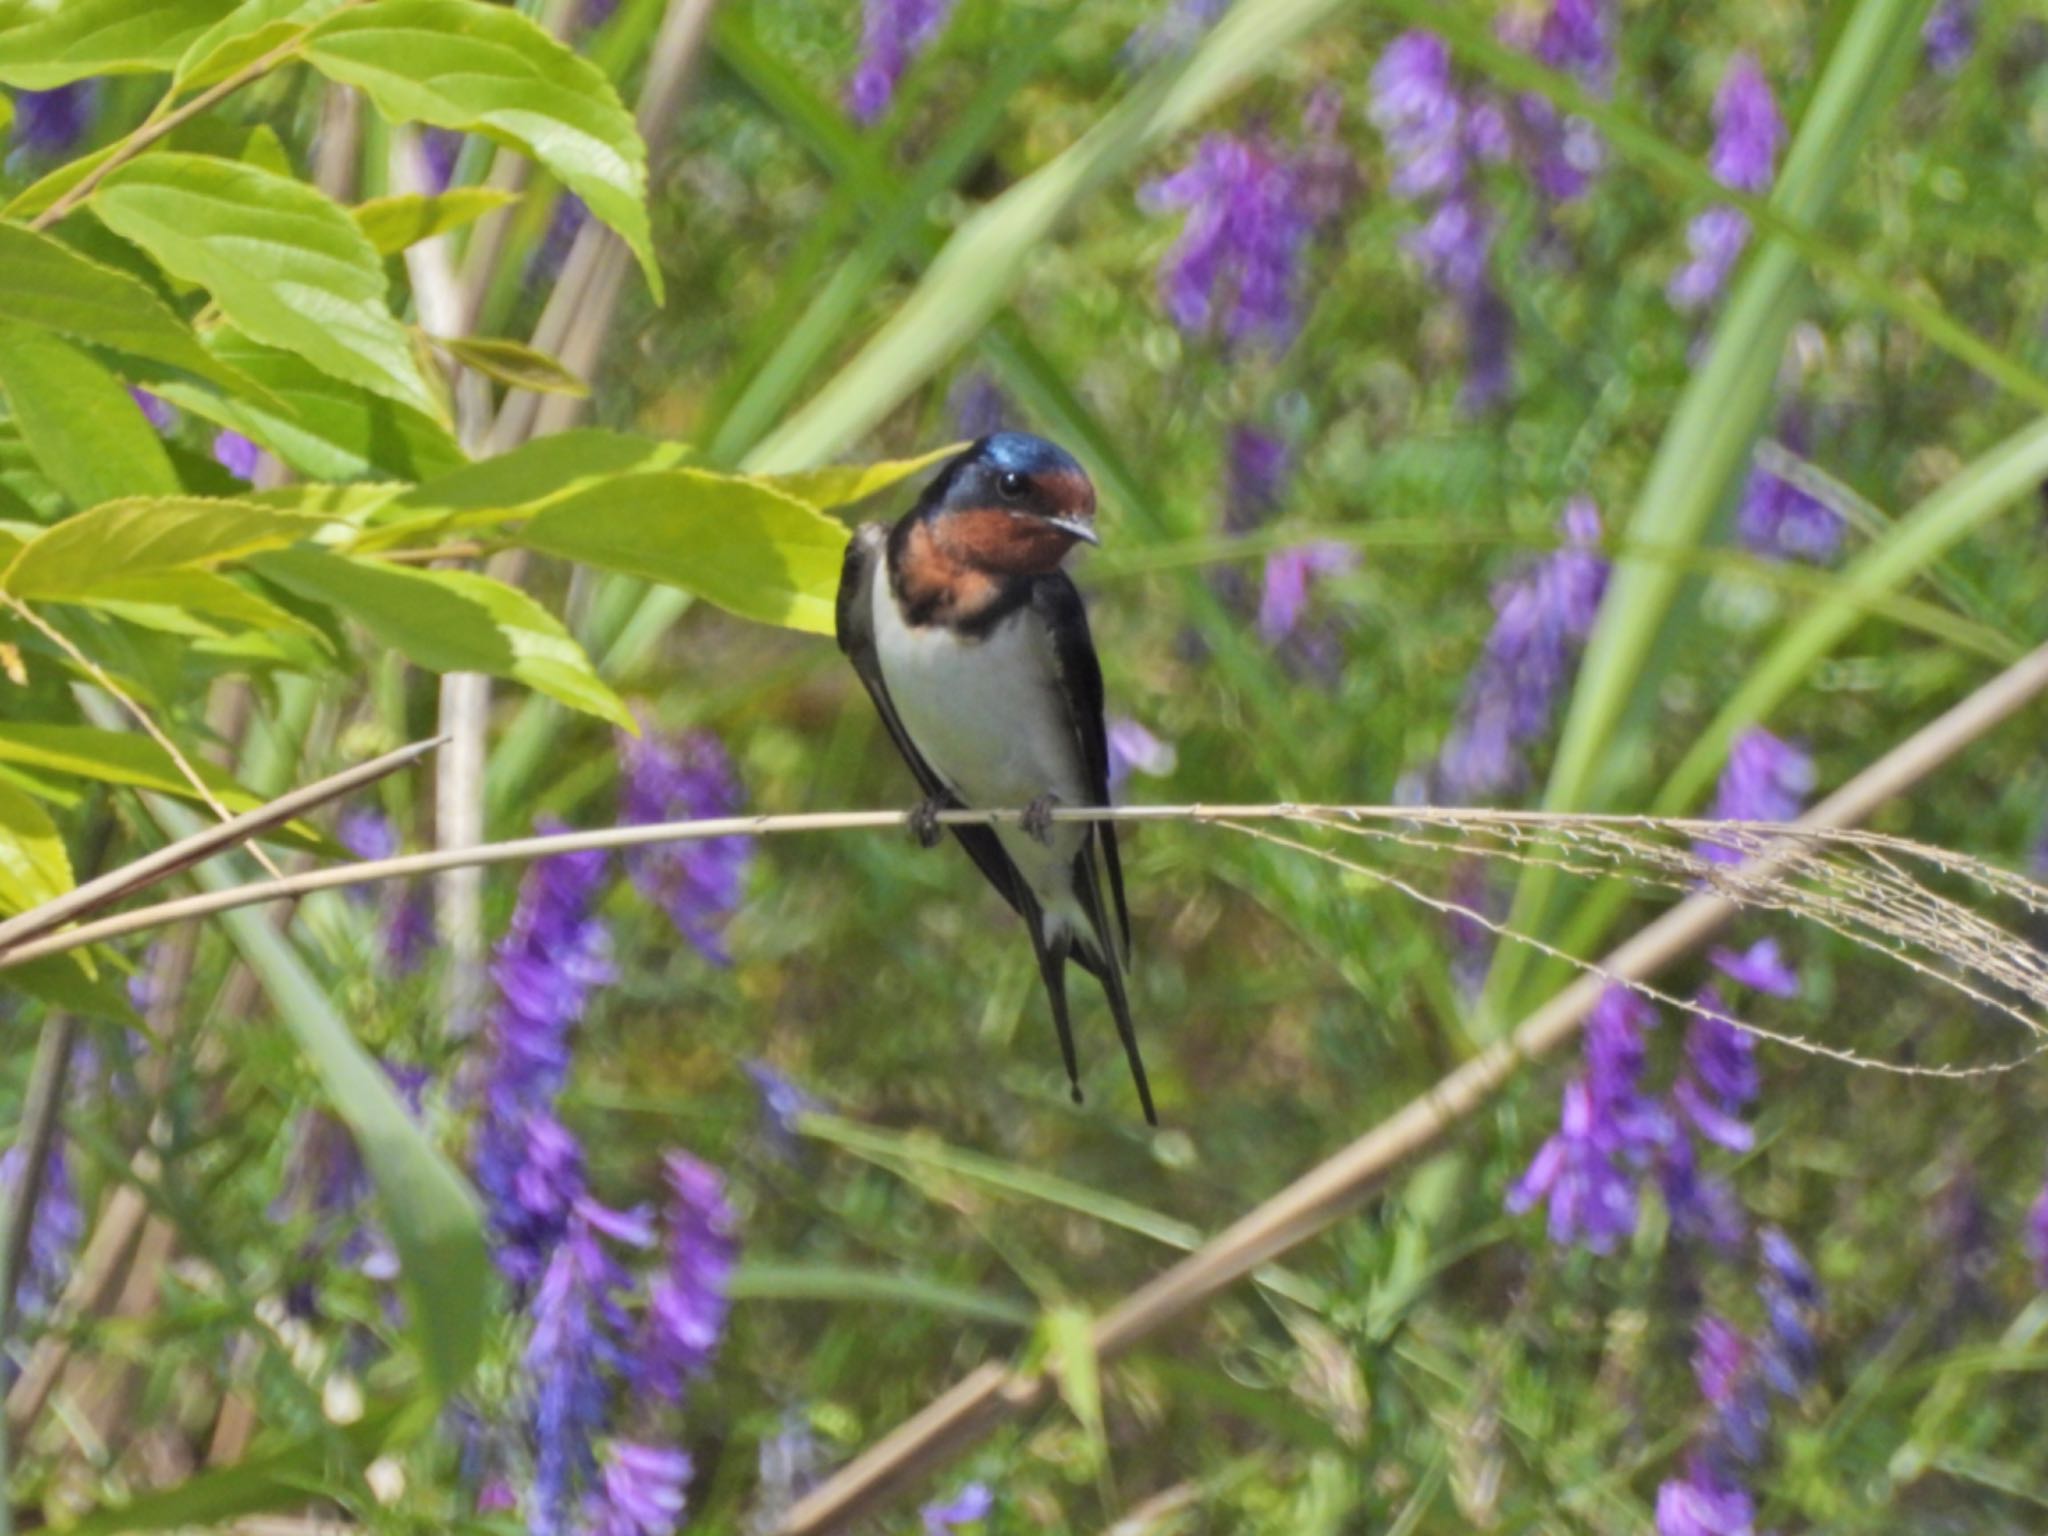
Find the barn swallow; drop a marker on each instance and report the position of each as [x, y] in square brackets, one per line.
[974, 646]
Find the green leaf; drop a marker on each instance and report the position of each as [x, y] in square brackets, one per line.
[175, 601]
[287, 265]
[452, 621]
[489, 70]
[767, 1280]
[45, 283]
[393, 223]
[513, 363]
[69, 39]
[744, 546]
[34, 868]
[841, 485]
[251, 30]
[1070, 1349]
[121, 539]
[84, 428]
[427, 1208]
[324, 427]
[113, 757]
[516, 484]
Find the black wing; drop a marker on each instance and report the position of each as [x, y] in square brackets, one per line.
[856, 632]
[1058, 605]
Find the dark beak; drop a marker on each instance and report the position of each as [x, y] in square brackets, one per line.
[1074, 526]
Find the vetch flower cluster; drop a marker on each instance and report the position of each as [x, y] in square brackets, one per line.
[54, 1236]
[1575, 37]
[1766, 779]
[1949, 36]
[1748, 133]
[687, 777]
[48, 124]
[1542, 614]
[893, 34]
[1778, 520]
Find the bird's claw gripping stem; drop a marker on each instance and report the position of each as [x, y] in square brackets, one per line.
[924, 823]
[1037, 820]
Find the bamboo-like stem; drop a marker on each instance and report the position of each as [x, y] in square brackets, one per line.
[144, 872]
[994, 1393]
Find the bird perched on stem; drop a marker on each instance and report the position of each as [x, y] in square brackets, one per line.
[974, 646]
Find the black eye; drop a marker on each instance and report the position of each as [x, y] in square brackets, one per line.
[1011, 486]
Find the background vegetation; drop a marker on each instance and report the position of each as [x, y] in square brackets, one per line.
[1453, 445]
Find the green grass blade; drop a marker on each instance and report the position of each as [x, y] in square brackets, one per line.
[767, 1280]
[1706, 448]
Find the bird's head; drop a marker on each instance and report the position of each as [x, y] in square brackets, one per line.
[1011, 505]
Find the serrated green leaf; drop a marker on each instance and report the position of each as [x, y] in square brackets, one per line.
[34, 867]
[513, 363]
[744, 546]
[54, 42]
[84, 428]
[841, 485]
[253, 29]
[514, 485]
[393, 223]
[45, 283]
[489, 70]
[286, 264]
[452, 621]
[324, 427]
[180, 601]
[114, 757]
[123, 539]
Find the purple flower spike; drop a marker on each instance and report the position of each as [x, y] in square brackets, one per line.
[2037, 1237]
[893, 34]
[1133, 749]
[1748, 132]
[686, 777]
[687, 1303]
[1719, 1358]
[156, 410]
[236, 454]
[1542, 613]
[1705, 1502]
[1779, 521]
[1950, 36]
[574, 1339]
[1767, 779]
[1720, 1078]
[1575, 37]
[1760, 966]
[54, 1237]
[50, 123]
[1290, 576]
[1792, 1302]
[1256, 477]
[970, 1504]
[1592, 1197]
[640, 1490]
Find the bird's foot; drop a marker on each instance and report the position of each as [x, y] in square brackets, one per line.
[1037, 820]
[924, 823]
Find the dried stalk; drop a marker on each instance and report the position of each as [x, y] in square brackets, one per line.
[995, 1393]
[144, 872]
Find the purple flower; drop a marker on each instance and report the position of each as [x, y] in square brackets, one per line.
[54, 1237]
[1767, 779]
[978, 405]
[554, 955]
[1949, 35]
[1760, 966]
[2037, 1237]
[893, 33]
[1703, 1206]
[687, 777]
[406, 920]
[236, 454]
[1255, 476]
[1720, 1079]
[1792, 1301]
[1779, 521]
[1748, 133]
[156, 410]
[688, 1301]
[782, 1105]
[1290, 575]
[570, 214]
[640, 1490]
[971, 1503]
[1704, 1502]
[51, 123]
[1575, 37]
[577, 1311]
[1133, 749]
[1541, 614]
[1175, 30]
[1251, 212]
[440, 148]
[1724, 1364]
